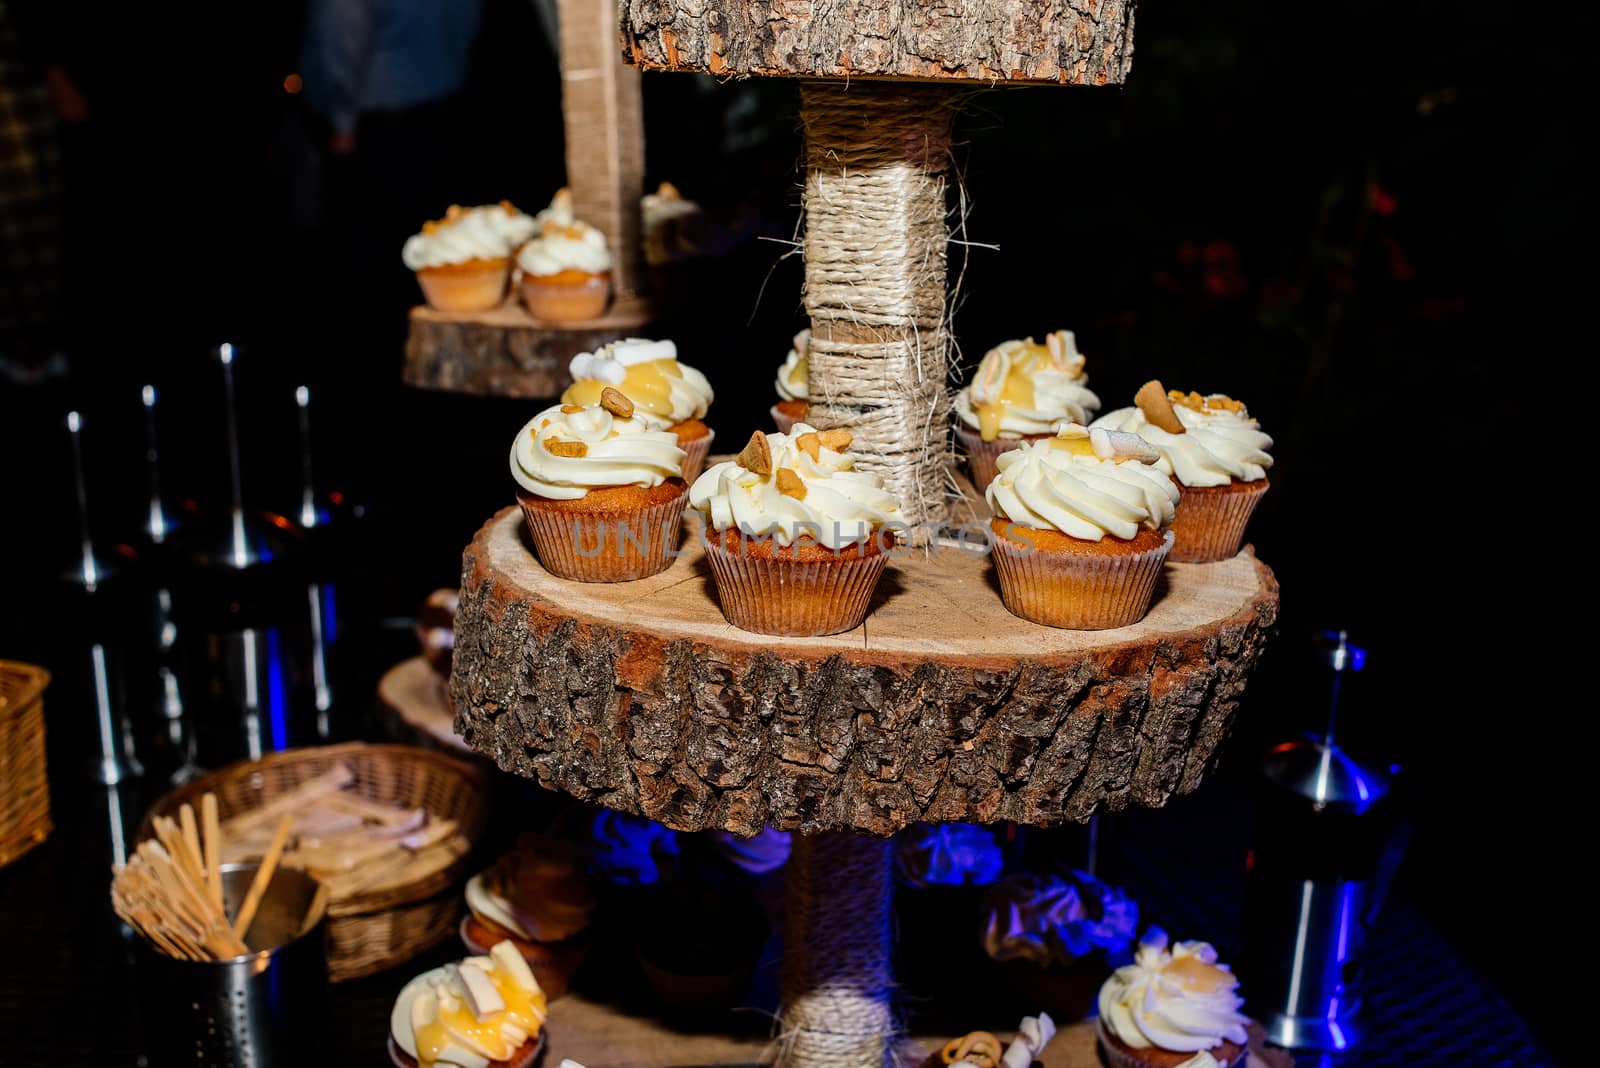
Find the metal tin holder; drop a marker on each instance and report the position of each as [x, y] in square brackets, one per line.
[263, 1010]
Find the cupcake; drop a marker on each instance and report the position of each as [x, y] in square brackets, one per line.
[566, 266]
[1173, 1006]
[1022, 391]
[537, 897]
[1218, 455]
[483, 1012]
[981, 1049]
[795, 404]
[795, 536]
[1056, 937]
[946, 854]
[462, 260]
[603, 493]
[1080, 528]
[667, 395]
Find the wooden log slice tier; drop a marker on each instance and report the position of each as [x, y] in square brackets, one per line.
[506, 352]
[1051, 42]
[942, 706]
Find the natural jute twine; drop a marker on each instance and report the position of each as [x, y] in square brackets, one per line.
[875, 246]
[837, 989]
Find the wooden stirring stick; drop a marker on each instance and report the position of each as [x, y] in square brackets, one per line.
[191, 836]
[263, 879]
[212, 828]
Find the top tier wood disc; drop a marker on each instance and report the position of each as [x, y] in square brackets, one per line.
[942, 706]
[506, 352]
[992, 42]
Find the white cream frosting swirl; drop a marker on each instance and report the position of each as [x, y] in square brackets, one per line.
[841, 506]
[663, 390]
[1178, 999]
[794, 376]
[489, 232]
[492, 907]
[564, 243]
[1087, 484]
[616, 452]
[1023, 387]
[470, 1014]
[1218, 445]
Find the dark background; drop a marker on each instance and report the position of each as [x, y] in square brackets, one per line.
[1356, 220]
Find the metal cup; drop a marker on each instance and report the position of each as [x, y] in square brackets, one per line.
[256, 1011]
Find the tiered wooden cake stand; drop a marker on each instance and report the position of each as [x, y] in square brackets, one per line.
[942, 706]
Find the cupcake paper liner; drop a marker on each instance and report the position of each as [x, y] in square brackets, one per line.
[566, 302]
[1078, 590]
[1117, 1057]
[983, 457]
[590, 547]
[695, 452]
[785, 422]
[797, 599]
[1210, 526]
[455, 290]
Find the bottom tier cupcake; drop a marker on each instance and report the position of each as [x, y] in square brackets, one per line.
[1173, 1007]
[537, 897]
[483, 1012]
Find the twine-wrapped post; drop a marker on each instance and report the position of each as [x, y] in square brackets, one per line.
[838, 1009]
[877, 156]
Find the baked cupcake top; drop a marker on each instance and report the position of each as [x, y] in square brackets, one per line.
[484, 1008]
[490, 232]
[793, 377]
[1204, 441]
[1023, 387]
[793, 485]
[564, 242]
[1085, 483]
[566, 451]
[1173, 997]
[663, 390]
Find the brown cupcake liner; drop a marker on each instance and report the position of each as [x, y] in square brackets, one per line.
[793, 598]
[695, 453]
[784, 421]
[1210, 526]
[983, 457]
[1118, 1057]
[1078, 590]
[593, 547]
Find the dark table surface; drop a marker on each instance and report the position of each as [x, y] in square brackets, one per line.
[68, 970]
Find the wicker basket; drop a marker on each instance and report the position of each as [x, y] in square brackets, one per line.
[387, 926]
[24, 787]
